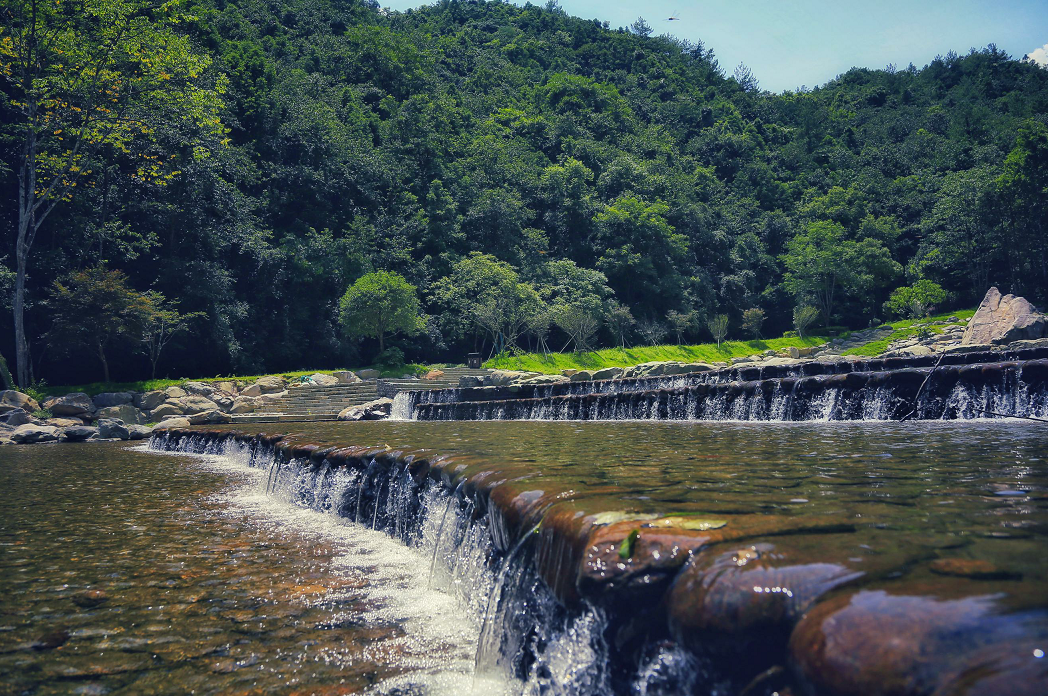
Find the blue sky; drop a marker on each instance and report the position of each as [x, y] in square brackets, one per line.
[790, 43]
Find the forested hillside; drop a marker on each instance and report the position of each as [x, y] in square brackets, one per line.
[606, 169]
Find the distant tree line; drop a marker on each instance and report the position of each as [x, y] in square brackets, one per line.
[538, 181]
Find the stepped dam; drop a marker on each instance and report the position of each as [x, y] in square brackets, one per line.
[960, 386]
[699, 558]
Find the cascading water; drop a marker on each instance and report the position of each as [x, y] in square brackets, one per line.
[526, 641]
[1008, 389]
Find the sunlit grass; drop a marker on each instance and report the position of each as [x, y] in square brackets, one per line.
[553, 363]
[904, 329]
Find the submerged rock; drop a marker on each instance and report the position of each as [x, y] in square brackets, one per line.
[11, 399]
[378, 409]
[1003, 319]
[918, 639]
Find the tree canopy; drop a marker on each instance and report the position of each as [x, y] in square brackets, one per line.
[317, 141]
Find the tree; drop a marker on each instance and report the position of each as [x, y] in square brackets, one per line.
[652, 330]
[752, 321]
[161, 322]
[580, 322]
[641, 28]
[620, 321]
[917, 300]
[93, 310]
[681, 323]
[822, 266]
[803, 317]
[379, 304]
[89, 78]
[1023, 187]
[487, 294]
[718, 326]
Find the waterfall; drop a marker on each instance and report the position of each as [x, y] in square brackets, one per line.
[833, 392]
[525, 633]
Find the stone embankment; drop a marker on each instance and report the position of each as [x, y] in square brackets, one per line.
[77, 417]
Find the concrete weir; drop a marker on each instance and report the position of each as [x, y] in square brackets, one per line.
[965, 386]
[670, 603]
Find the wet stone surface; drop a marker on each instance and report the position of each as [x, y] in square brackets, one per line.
[128, 572]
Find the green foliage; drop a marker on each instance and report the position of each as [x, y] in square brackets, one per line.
[803, 317]
[5, 374]
[915, 301]
[905, 329]
[343, 140]
[379, 304]
[94, 309]
[718, 326]
[752, 321]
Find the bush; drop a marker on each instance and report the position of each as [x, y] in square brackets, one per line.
[391, 358]
[915, 301]
[789, 334]
[752, 321]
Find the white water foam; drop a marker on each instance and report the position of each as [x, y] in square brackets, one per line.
[441, 627]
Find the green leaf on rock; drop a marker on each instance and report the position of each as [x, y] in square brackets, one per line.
[626, 549]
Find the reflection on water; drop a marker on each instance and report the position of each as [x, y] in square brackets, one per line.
[122, 571]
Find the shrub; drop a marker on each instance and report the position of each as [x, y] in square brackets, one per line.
[752, 321]
[803, 317]
[915, 301]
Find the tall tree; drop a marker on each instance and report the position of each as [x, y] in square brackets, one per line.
[90, 77]
[379, 304]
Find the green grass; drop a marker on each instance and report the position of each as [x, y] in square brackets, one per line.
[904, 328]
[618, 357]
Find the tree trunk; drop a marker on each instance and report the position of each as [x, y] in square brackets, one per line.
[105, 363]
[381, 342]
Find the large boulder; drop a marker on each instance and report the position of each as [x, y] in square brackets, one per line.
[245, 404]
[271, 384]
[168, 409]
[378, 409]
[11, 399]
[196, 404]
[470, 381]
[149, 400]
[223, 400]
[139, 432]
[544, 379]
[77, 433]
[175, 392]
[251, 390]
[209, 418]
[73, 404]
[503, 378]
[113, 428]
[580, 375]
[608, 373]
[433, 374]
[346, 377]
[124, 412]
[15, 417]
[1003, 319]
[63, 422]
[323, 380]
[368, 374]
[272, 398]
[30, 433]
[199, 388]
[107, 399]
[169, 423]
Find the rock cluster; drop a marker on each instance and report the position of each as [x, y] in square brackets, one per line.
[1001, 320]
[379, 409]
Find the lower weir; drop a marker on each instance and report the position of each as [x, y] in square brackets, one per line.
[583, 585]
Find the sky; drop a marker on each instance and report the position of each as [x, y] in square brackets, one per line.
[793, 43]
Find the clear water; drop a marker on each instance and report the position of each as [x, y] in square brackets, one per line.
[220, 578]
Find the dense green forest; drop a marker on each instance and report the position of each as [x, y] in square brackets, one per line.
[618, 185]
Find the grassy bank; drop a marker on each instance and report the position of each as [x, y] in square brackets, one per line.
[553, 363]
[906, 328]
